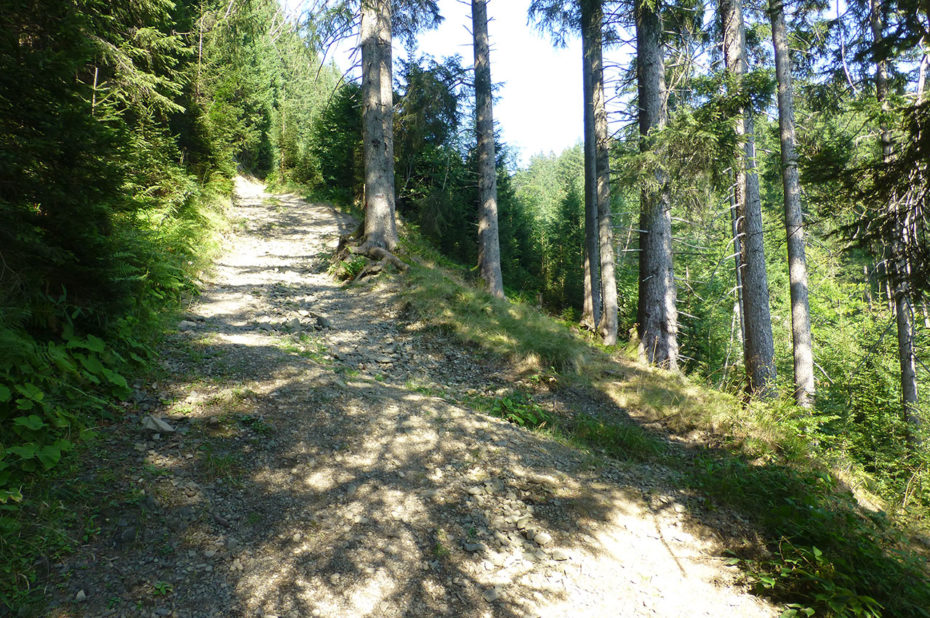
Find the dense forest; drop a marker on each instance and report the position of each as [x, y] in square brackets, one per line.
[748, 205]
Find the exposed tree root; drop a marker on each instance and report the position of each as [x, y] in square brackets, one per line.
[354, 245]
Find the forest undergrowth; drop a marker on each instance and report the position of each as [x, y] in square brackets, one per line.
[62, 388]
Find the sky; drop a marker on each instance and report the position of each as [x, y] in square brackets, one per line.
[539, 104]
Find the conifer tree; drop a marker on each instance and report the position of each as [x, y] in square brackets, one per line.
[898, 280]
[657, 313]
[759, 349]
[378, 125]
[596, 133]
[489, 253]
[378, 21]
[794, 221]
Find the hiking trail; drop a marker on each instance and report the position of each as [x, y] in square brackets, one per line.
[317, 460]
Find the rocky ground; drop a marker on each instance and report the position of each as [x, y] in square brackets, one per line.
[306, 452]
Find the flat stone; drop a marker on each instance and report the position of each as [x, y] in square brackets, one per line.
[559, 554]
[491, 594]
[153, 423]
[542, 538]
[473, 547]
[81, 596]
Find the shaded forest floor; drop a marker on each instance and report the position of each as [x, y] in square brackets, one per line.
[321, 456]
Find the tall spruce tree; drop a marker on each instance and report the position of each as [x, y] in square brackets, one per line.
[489, 253]
[759, 347]
[794, 219]
[657, 312]
[378, 21]
[380, 229]
[597, 149]
[898, 278]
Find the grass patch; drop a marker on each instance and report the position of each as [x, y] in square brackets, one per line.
[513, 331]
[306, 346]
[347, 269]
[826, 555]
[624, 442]
[215, 463]
[520, 409]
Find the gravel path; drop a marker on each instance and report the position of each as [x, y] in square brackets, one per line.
[310, 467]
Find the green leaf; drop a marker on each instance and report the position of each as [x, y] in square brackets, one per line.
[92, 364]
[5, 394]
[94, 344]
[32, 422]
[49, 456]
[24, 404]
[115, 378]
[59, 417]
[30, 391]
[10, 495]
[27, 451]
[61, 358]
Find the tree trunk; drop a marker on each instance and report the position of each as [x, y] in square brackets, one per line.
[378, 125]
[896, 271]
[592, 42]
[591, 311]
[657, 314]
[759, 353]
[794, 221]
[489, 253]
[738, 260]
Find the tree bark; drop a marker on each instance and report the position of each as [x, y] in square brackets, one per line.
[738, 260]
[378, 125]
[592, 44]
[759, 352]
[794, 220]
[489, 253]
[896, 271]
[591, 310]
[657, 313]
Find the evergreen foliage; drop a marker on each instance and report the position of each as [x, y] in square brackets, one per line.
[119, 123]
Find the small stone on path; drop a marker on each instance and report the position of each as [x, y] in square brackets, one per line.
[157, 425]
[543, 538]
[491, 594]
